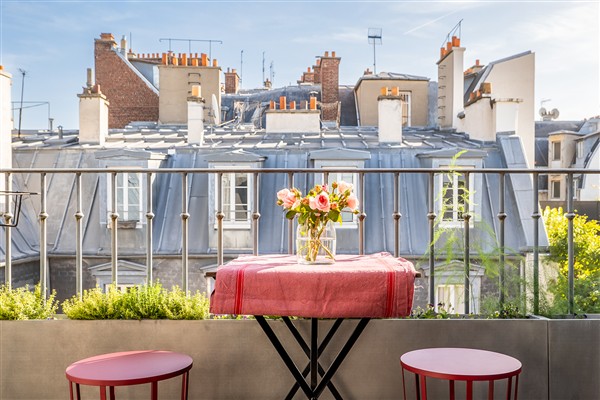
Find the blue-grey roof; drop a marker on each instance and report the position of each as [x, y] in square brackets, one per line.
[276, 151]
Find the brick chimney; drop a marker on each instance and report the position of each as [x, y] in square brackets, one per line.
[6, 123]
[232, 82]
[131, 97]
[330, 86]
[195, 114]
[93, 116]
[389, 104]
[450, 83]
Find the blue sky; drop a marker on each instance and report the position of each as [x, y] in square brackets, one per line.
[53, 42]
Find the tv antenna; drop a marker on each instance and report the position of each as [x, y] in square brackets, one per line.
[210, 42]
[374, 36]
[272, 71]
[23, 72]
[241, 67]
[263, 67]
[455, 31]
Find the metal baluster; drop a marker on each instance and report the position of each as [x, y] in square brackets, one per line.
[291, 221]
[570, 245]
[467, 256]
[8, 234]
[255, 215]
[43, 233]
[79, 239]
[396, 215]
[220, 215]
[362, 215]
[149, 229]
[536, 241]
[431, 216]
[114, 217]
[501, 218]
[184, 232]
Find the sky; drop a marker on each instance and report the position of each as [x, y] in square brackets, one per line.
[53, 42]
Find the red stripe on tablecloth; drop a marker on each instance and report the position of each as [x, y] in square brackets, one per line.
[239, 290]
[391, 289]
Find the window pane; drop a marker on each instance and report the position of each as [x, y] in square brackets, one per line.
[555, 189]
[461, 198]
[556, 151]
[448, 199]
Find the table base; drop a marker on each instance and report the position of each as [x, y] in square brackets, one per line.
[313, 351]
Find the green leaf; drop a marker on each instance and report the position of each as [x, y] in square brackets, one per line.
[290, 214]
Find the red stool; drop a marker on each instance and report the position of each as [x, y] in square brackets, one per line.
[458, 364]
[129, 368]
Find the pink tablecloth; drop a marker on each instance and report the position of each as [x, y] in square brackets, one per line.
[375, 286]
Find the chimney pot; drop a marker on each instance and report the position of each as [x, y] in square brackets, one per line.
[194, 62]
[448, 46]
[175, 61]
[395, 91]
[333, 54]
[326, 54]
[272, 105]
[313, 103]
[184, 59]
[292, 105]
[477, 62]
[215, 64]
[196, 91]
[282, 103]
[455, 41]
[384, 91]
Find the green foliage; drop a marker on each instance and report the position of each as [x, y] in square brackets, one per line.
[138, 302]
[22, 303]
[586, 240]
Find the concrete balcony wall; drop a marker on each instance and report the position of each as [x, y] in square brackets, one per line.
[234, 360]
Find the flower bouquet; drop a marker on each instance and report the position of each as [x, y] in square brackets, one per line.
[315, 236]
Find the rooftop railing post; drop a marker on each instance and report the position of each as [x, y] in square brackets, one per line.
[431, 216]
[396, 214]
[501, 218]
[43, 233]
[536, 243]
[149, 228]
[8, 234]
[114, 217]
[79, 238]
[220, 215]
[467, 244]
[361, 215]
[570, 245]
[184, 233]
[290, 226]
[255, 214]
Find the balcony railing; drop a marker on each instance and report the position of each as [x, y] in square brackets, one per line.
[428, 173]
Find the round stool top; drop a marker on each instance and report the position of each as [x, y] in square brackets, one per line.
[460, 364]
[128, 368]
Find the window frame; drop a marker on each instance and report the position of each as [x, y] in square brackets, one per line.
[124, 211]
[556, 156]
[227, 222]
[455, 222]
[554, 182]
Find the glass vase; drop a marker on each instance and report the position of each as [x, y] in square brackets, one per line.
[315, 244]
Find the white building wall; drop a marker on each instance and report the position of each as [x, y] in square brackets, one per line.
[479, 121]
[93, 118]
[6, 123]
[390, 120]
[451, 87]
[293, 121]
[591, 183]
[515, 79]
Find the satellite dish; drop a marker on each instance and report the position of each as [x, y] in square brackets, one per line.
[554, 113]
[543, 112]
[214, 110]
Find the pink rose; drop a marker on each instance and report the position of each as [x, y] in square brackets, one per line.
[343, 186]
[352, 202]
[288, 197]
[320, 202]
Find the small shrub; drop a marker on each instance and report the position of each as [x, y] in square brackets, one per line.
[138, 302]
[22, 303]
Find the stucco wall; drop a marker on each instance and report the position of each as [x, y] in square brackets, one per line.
[369, 89]
[234, 360]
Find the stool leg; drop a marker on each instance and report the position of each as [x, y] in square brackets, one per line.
[451, 388]
[424, 387]
[78, 392]
[516, 386]
[71, 390]
[491, 391]
[184, 386]
[154, 390]
[418, 390]
[403, 385]
[508, 388]
[102, 392]
[469, 390]
[111, 391]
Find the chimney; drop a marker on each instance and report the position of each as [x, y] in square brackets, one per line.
[124, 45]
[195, 115]
[450, 84]
[232, 82]
[6, 122]
[330, 86]
[390, 116]
[93, 116]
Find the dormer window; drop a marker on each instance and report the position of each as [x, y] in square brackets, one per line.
[236, 201]
[556, 151]
[454, 197]
[128, 188]
[580, 149]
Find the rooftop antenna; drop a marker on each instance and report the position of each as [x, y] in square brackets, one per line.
[272, 72]
[455, 31]
[375, 38]
[263, 68]
[241, 67]
[210, 42]
[23, 72]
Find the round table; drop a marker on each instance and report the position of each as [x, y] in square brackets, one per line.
[460, 364]
[129, 368]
